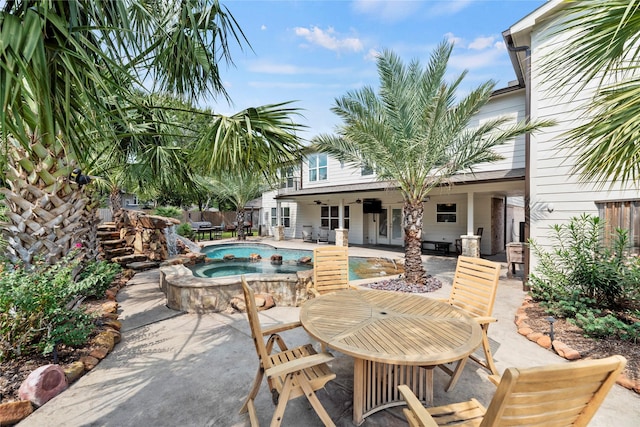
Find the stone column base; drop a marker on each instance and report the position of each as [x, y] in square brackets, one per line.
[471, 246]
[278, 233]
[342, 237]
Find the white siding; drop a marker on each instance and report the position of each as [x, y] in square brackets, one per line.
[510, 105]
[556, 194]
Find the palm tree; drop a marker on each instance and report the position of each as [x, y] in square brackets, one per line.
[414, 131]
[603, 46]
[261, 138]
[70, 75]
[239, 187]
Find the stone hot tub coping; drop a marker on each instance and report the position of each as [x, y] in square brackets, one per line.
[191, 294]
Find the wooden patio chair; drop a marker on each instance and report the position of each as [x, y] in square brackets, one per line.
[567, 394]
[330, 269]
[290, 373]
[474, 288]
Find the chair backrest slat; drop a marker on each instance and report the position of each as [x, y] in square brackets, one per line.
[475, 284]
[556, 395]
[254, 323]
[330, 269]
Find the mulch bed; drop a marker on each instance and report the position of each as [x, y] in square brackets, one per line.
[589, 348]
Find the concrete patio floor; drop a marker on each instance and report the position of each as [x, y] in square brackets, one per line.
[177, 369]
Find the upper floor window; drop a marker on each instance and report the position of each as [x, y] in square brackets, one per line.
[366, 170]
[288, 179]
[317, 167]
[621, 214]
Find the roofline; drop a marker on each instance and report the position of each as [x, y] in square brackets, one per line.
[522, 29]
[459, 179]
[543, 11]
[507, 90]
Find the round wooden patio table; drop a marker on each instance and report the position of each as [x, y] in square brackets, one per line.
[392, 336]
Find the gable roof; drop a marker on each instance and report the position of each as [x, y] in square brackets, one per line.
[518, 37]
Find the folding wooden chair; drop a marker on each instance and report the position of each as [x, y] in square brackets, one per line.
[474, 288]
[290, 373]
[330, 269]
[567, 394]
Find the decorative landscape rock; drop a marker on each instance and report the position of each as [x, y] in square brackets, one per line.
[73, 371]
[14, 412]
[276, 259]
[43, 384]
[263, 302]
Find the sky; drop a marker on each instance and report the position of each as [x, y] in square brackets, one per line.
[313, 52]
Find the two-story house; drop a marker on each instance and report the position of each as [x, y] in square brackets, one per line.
[325, 194]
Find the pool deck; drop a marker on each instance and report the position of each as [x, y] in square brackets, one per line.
[177, 369]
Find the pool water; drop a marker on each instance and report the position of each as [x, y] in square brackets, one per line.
[245, 250]
[359, 268]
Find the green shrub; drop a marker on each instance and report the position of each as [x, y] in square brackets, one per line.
[168, 211]
[579, 261]
[38, 306]
[580, 278]
[185, 230]
[97, 277]
[595, 325]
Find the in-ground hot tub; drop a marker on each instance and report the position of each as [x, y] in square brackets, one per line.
[209, 287]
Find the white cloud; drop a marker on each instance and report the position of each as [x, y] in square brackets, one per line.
[263, 27]
[372, 55]
[481, 43]
[454, 39]
[329, 39]
[471, 61]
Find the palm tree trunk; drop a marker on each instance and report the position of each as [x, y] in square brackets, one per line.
[240, 221]
[413, 215]
[115, 199]
[48, 215]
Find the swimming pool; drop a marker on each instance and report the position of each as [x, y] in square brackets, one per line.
[241, 263]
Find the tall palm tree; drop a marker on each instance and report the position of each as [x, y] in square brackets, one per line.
[603, 46]
[414, 131]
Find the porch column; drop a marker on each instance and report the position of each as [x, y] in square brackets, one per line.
[278, 230]
[342, 235]
[470, 242]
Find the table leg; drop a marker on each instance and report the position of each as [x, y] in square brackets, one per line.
[375, 386]
[358, 390]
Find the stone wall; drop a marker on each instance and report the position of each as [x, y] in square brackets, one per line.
[205, 295]
[146, 234]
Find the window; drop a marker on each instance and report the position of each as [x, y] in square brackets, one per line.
[621, 214]
[318, 167]
[285, 216]
[288, 179]
[366, 170]
[329, 217]
[446, 212]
